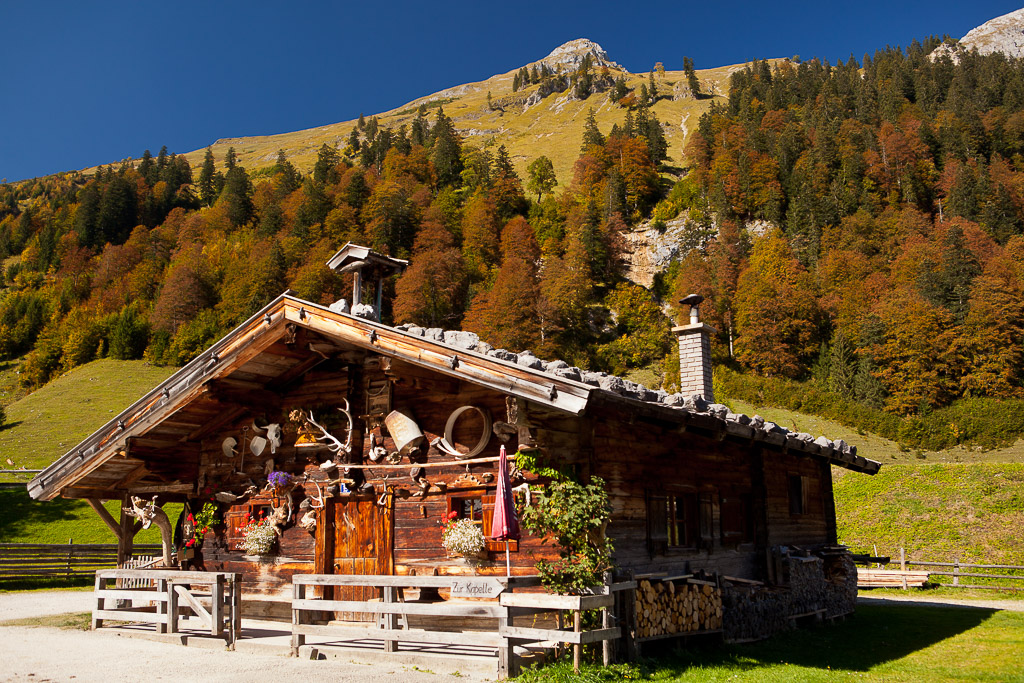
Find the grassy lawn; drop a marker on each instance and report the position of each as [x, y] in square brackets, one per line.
[75, 621]
[23, 520]
[47, 423]
[879, 643]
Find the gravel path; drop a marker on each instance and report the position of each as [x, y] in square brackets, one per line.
[1008, 605]
[49, 654]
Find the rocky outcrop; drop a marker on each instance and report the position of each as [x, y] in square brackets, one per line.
[1003, 34]
[568, 56]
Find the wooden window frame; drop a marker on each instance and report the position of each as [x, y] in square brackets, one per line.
[736, 520]
[486, 497]
[234, 520]
[797, 487]
[680, 520]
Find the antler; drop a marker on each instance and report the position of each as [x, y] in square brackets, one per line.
[334, 445]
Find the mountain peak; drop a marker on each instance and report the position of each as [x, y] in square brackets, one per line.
[571, 54]
[1003, 34]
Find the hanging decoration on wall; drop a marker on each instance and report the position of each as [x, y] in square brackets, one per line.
[445, 443]
[228, 447]
[403, 429]
[273, 432]
[150, 513]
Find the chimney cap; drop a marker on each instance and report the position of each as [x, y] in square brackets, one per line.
[692, 300]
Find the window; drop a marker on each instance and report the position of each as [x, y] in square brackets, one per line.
[235, 520]
[797, 494]
[737, 521]
[479, 508]
[680, 520]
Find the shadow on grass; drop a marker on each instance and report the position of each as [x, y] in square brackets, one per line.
[874, 635]
[43, 583]
[9, 425]
[18, 511]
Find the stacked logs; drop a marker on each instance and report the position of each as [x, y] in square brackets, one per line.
[665, 608]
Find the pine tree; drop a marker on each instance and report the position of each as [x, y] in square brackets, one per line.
[146, 169]
[325, 171]
[207, 191]
[516, 82]
[230, 159]
[447, 150]
[353, 140]
[362, 122]
[591, 134]
[652, 88]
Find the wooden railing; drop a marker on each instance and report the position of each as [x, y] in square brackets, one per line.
[65, 560]
[218, 607]
[905, 577]
[391, 610]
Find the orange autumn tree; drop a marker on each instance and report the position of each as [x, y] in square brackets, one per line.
[776, 311]
[507, 315]
[432, 292]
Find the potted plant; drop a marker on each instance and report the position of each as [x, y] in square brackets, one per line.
[258, 535]
[462, 538]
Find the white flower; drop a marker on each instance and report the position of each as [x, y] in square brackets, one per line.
[462, 537]
[259, 538]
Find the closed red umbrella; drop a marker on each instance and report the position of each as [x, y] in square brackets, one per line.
[504, 523]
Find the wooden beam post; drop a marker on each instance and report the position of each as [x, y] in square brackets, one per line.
[126, 535]
[105, 516]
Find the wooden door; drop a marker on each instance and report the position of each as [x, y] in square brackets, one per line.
[362, 536]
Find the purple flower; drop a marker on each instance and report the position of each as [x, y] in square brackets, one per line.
[279, 479]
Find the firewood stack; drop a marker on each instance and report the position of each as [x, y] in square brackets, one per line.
[667, 607]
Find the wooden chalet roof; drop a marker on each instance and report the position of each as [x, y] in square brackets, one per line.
[148, 446]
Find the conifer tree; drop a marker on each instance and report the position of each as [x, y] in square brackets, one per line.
[207, 189]
[447, 150]
[230, 159]
[591, 134]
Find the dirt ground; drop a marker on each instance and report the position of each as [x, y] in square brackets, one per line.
[49, 654]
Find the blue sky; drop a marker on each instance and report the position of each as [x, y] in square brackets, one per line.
[88, 83]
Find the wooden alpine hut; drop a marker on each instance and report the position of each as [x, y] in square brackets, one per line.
[359, 440]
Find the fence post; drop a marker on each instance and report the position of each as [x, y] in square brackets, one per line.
[100, 585]
[903, 560]
[576, 647]
[298, 639]
[217, 606]
[71, 552]
[389, 622]
[956, 572]
[607, 654]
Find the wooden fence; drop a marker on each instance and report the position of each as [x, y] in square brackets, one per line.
[215, 598]
[68, 560]
[905, 577]
[391, 614]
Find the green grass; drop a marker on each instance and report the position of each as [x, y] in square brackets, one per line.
[879, 643]
[939, 512]
[47, 423]
[23, 520]
[76, 621]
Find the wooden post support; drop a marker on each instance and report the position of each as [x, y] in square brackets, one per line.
[389, 621]
[236, 609]
[100, 585]
[298, 639]
[576, 647]
[956, 572]
[903, 559]
[607, 653]
[172, 605]
[507, 665]
[217, 607]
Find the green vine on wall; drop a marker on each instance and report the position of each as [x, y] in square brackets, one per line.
[575, 515]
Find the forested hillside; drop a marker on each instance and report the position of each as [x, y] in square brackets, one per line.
[157, 259]
[893, 272]
[859, 226]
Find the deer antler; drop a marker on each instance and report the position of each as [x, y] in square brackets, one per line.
[334, 445]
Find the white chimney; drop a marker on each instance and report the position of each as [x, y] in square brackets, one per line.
[695, 353]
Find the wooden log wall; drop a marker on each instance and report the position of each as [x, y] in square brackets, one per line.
[417, 516]
[644, 458]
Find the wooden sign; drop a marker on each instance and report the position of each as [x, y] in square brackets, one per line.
[478, 587]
